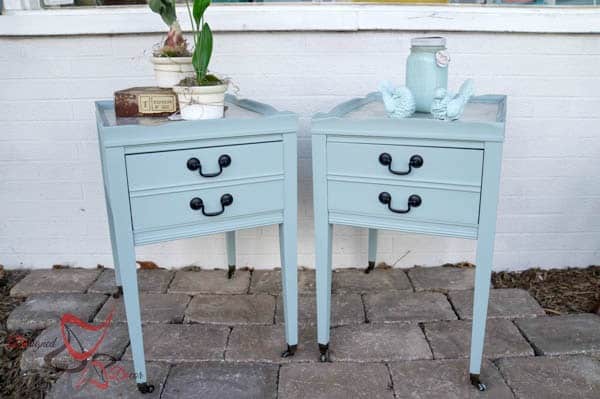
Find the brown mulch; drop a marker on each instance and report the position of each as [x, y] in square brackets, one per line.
[559, 291]
[14, 384]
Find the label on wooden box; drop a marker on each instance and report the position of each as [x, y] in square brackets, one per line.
[145, 101]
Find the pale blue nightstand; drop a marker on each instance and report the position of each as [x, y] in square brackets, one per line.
[169, 180]
[415, 175]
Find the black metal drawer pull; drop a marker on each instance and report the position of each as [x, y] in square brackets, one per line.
[197, 204]
[194, 164]
[416, 161]
[414, 201]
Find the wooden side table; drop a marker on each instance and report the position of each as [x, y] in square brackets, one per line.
[415, 175]
[168, 180]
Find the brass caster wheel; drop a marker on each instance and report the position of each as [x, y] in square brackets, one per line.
[118, 293]
[144, 387]
[476, 381]
[324, 350]
[290, 351]
[231, 271]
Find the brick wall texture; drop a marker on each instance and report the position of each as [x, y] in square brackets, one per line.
[50, 181]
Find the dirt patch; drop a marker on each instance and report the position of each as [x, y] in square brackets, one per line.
[559, 291]
[14, 384]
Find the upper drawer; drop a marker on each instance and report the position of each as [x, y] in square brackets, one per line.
[441, 165]
[183, 167]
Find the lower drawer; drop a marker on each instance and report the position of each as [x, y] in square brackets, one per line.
[205, 205]
[388, 201]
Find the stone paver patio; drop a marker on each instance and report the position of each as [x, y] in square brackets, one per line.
[395, 334]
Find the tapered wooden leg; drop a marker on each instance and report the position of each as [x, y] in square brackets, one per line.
[124, 250]
[483, 274]
[484, 259]
[288, 244]
[115, 255]
[289, 277]
[323, 239]
[111, 229]
[230, 242]
[372, 250]
[132, 310]
[119, 286]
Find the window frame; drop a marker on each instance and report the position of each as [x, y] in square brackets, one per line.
[231, 17]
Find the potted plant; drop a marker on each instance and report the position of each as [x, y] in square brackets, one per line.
[201, 96]
[172, 61]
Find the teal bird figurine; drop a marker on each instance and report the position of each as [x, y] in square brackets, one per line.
[439, 103]
[399, 102]
[450, 107]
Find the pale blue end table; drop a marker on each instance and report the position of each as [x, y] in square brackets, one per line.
[168, 180]
[415, 175]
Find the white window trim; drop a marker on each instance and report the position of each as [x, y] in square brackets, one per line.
[11, 5]
[308, 17]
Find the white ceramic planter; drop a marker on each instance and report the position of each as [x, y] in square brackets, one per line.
[169, 71]
[201, 102]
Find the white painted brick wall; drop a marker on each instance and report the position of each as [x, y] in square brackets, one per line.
[52, 205]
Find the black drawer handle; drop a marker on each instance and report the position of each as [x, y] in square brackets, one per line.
[197, 204]
[416, 161]
[194, 164]
[414, 201]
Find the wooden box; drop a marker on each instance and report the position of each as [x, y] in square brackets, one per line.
[145, 101]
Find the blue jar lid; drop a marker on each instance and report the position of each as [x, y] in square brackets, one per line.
[430, 41]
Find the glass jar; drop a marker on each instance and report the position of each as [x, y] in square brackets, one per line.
[426, 69]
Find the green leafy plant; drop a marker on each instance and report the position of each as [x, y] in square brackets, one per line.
[175, 44]
[203, 43]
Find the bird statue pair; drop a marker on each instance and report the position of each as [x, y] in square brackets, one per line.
[399, 102]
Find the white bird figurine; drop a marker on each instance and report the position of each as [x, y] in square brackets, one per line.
[399, 102]
[450, 107]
